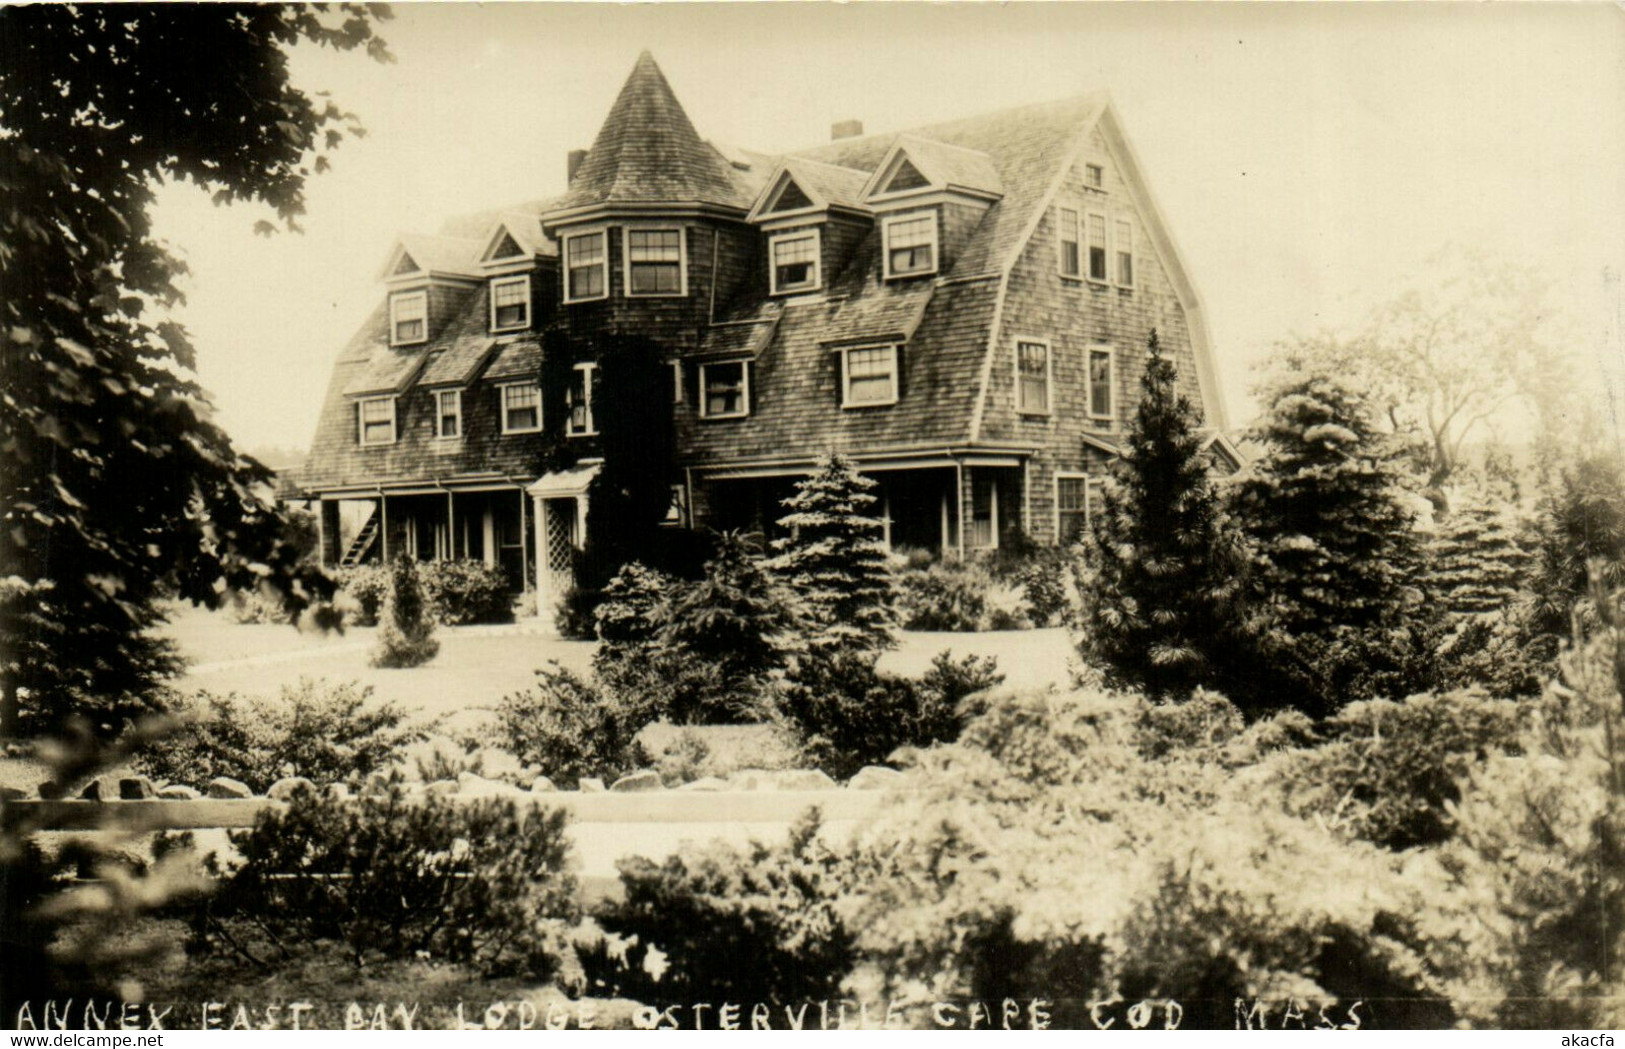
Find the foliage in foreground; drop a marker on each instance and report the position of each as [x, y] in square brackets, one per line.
[752, 926]
[480, 882]
[119, 489]
[324, 733]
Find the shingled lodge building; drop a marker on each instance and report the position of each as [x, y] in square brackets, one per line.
[963, 309]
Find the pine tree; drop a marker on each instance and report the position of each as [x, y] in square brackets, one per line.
[1164, 611]
[405, 627]
[1325, 511]
[1478, 561]
[835, 558]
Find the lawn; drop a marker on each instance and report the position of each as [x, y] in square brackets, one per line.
[477, 666]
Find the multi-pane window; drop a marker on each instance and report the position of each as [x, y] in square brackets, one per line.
[869, 376]
[579, 401]
[1101, 396]
[795, 262]
[448, 413]
[1094, 176]
[377, 420]
[1032, 377]
[521, 407]
[654, 261]
[1123, 243]
[510, 303]
[911, 245]
[1071, 251]
[408, 317]
[586, 267]
[1071, 508]
[1097, 247]
[724, 390]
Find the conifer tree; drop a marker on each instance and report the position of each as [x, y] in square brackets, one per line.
[405, 627]
[834, 557]
[1165, 613]
[1325, 511]
[1478, 560]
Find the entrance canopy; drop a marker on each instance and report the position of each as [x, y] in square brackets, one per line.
[563, 484]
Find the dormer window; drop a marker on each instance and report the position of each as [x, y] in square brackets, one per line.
[910, 244]
[725, 390]
[654, 262]
[868, 376]
[375, 420]
[510, 303]
[578, 399]
[408, 318]
[795, 262]
[586, 267]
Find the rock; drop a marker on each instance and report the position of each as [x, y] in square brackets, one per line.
[470, 785]
[707, 783]
[226, 787]
[339, 792]
[642, 780]
[542, 785]
[180, 792]
[135, 788]
[284, 789]
[102, 788]
[874, 777]
[803, 779]
[590, 785]
[441, 787]
[12, 794]
[51, 790]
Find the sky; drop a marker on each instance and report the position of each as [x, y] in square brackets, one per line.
[1309, 157]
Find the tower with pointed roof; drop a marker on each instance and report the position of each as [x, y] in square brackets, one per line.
[962, 308]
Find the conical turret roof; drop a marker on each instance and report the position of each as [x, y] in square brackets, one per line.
[648, 151]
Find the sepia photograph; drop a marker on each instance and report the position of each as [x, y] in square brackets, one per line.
[812, 516]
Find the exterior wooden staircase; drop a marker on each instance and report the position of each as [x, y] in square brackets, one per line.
[362, 543]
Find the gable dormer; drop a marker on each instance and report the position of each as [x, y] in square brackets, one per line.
[429, 279]
[511, 262]
[812, 218]
[928, 197]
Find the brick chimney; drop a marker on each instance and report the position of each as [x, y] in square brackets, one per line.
[845, 129]
[572, 163]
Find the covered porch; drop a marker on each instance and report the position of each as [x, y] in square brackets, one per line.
[486, 522]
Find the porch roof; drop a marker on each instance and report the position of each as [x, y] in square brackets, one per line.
[561, 483]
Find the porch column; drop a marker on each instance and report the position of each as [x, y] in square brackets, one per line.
[451, 528]
[489, 535]
[383, 528]
[524, 557]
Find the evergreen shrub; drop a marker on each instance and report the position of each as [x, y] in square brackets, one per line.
[406, 625]
[325, 733]
[570, 728]
[484, 882]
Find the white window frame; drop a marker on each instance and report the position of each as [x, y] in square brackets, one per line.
[440, 416]
[817, 282]
[1117, 251]
[603, 264]
[589, 372]
[682, 262]
[1055, 506]
[361, 421]
[1061, 231]
[1111, 381]
[846, 376]
[502, 406]
[1049, 374]
[497, 282]
[677, 390]
[395, 300]
[1105, 246]
[744, 389]
[885, 243]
